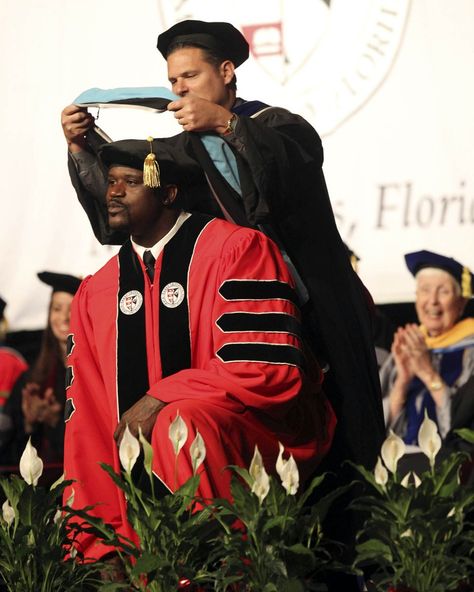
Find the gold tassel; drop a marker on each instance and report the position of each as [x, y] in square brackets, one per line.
[354, 260]
[151, 168]
[466, 284]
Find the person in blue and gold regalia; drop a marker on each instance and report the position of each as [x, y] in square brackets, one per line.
[431, 366]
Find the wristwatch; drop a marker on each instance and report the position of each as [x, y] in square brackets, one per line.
[230, 126]
[435, 385]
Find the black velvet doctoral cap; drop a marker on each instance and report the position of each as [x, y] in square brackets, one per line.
[60, 282]
[222, 37]
[422, 259]
[2, 306]
[174, 165]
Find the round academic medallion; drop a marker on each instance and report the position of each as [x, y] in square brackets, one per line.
[131, 302]
[172, 295]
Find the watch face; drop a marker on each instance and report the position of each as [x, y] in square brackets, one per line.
[232, 123]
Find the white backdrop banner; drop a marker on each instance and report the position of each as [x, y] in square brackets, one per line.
[387, 83]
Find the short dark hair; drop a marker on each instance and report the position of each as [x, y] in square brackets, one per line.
[212, 56]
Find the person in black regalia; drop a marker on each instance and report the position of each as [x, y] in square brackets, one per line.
[35, 407]
[282, 192]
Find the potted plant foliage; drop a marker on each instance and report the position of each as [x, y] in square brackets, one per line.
[419, 530]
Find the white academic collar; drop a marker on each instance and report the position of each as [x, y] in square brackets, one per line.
[160, 245]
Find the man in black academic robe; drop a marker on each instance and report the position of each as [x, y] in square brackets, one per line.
[283, 192]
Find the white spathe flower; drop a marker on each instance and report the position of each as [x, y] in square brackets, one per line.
[256, 464]
[57, 517]
[261, 485]
[291, 477]
[281, 462]
[8, 512]
[416, 479]
[452, 512]
[178, 433]
[407, 533]
[70, 499]
[31, 466]
[129, 450]
[428, 439]
[288, 472]
[261, 480]
[147, 452]
[380, 473]
[197, 450]
[392, 451]
[406, 480]
[58, 481]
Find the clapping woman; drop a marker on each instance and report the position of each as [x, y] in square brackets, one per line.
[36, 406]
[431, 365]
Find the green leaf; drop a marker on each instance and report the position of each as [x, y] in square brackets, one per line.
[113, 587]
[281, 521]
[243, 473]
[315, 482]
[322, 506]
[291, 586]
[188, 489]
[466, 434]
[147, 563]
[373, 549]
[270, 587]
[117, 479]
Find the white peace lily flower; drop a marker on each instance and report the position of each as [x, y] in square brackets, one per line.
[197, 451]
[31, 466]
[407, 533]
[290, 479]
[281, 462]
[178, 433]
[70, 499]
[452, 512]
[57, 517]
[380, 473]
[8, 512]
[58, 481]
[73, 552]
[256, 464]
[261, 480]
[147, 452]
[429, 439]
[129, 450]
[406, 480]
[416, 479]
[392, 451]
[261, 485]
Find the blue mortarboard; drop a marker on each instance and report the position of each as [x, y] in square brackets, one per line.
[421, 259]
[149, 97]
[157, 99]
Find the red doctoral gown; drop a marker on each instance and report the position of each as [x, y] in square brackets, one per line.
[216, 338]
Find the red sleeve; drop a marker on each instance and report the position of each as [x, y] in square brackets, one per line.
[256, 352]
[11, 366]
[90, 422]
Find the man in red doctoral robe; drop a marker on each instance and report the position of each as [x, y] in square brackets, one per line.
[208, 327]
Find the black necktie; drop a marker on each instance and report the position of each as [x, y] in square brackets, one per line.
[149, 262]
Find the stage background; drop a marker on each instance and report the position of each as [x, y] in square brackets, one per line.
[388, 84]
